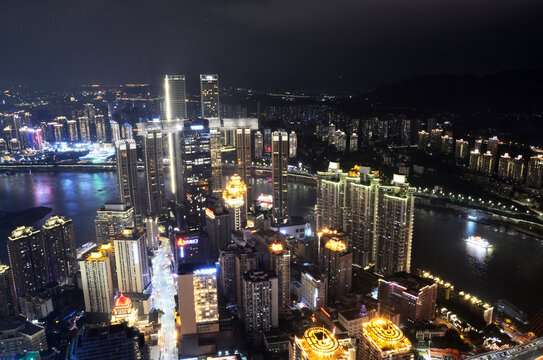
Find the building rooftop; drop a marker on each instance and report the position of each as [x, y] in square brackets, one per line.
[351, 314]
[412, 283]
[320, 343]
[386, 336]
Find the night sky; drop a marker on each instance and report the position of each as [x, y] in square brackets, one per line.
[298, 44]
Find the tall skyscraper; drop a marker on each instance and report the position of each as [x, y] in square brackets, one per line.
[259, 145]
[219, 224]
[72, 131]
[447, 144]
[279, 258]
[280, 176]
[28, 260]
[97, 279]
[111, 220]
[127, 175]
[336, 264]
[198, 300]
[132, 265]
[461, 150]
[115, 131]
[489, 163]
[353, 143]
[59, 239]
[382, 339]
[475, 160]
[84, 130]
[8, 300]
[424, 139]
[243, 151]
[235, 198]
[492, 145]
[175, 111]
[292, 145]
[215, 139]
[260, 303]
[126, 131]
[153, 149]
[209, 87]
[267, 141]
[393, 235]
[234, 261]
[196, 170]
[314, 289]
[534, 177]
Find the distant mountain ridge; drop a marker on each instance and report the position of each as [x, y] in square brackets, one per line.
[509, 90]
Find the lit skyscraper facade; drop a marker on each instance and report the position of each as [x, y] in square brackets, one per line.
[28, 260]
[153, 146]
[461, 150]
[97, 279]
[209, 90]
[127, 174]
[353, 143]
[215, 139]
[259, 145]
[534, 177]
[280, 264]
[292, 145]
[8, 300]
[336, 264]
[279, 148]
[58, 236]
[111, 220]
[260, 302]
[243, 151]
[235, 198]
[131, 261]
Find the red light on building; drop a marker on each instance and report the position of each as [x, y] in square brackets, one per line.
[181, 242]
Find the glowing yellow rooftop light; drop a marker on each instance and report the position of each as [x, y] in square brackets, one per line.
[355, 171]
[336, 245]
[320, 343]
[234, 192]
[105, 246]
[276, 247]
[385, 335]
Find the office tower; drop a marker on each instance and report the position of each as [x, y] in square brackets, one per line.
[101, 128]
[97, 278]
[314, 289]
[59, 239]
[215, 139]
[132, 265]
[126, 131]
[219, 224]
[336, 263]
[196, 171]
[319, 343]
[260, 302]
[153, 232]
[492, 145]
[111, 220]
[461, 150]
[259, 145]
[243, 151]
[475, 160]
[115, 131]
[8, 300]
[175, 111]
[127, 174]
[353, 143]
[292, 145]
[382, 339]
[412, 296]
[394, 227]
[280, 176]
[153, 150]
[267, 141]
[424, 139]
[209, 91]
[84, 131]
[489, 163]
[110, 342]
[478, 145]
[279, 262]
[534, 177]
[447, 143]
[235, 198]
[28, 260]
[198, 300]
[519, 169]
[124, 311]
[20, 336]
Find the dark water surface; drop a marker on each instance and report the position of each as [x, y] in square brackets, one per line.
[513, 269]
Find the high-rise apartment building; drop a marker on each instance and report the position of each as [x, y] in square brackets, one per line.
[267, 141]
[424, 139]
[314, 289]
[111, 220]
[219, 224]
[235, 198]
[127, 175]
[393, 227]
[215, 140]
[292, 145]
[280, 176]
[259, 145]
[28, 260]
[175, 97]
[447, 143]
[97, 278]
[475, 160]
[382, 339]
[489, 163]
[353, 143]
[8, 299]
[59, 239]
[234, 261]
[72, 131]
[20, 336]
[336, 263]
[153, 150]
[132, 265]
[243, 151]
[492, 145]
[412, 296]
[279, 263]
[115, 131]
[260, 302]
[198, 300]
[84, 130]
[461, 150]
[534, 176]
[209, 100]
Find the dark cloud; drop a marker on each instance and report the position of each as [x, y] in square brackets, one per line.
[266, 43]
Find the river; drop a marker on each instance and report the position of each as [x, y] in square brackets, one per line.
[513, 269]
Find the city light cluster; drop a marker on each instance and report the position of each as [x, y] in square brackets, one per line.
[320, 343]
[234, 192]
[336, 245]
[386, 335]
